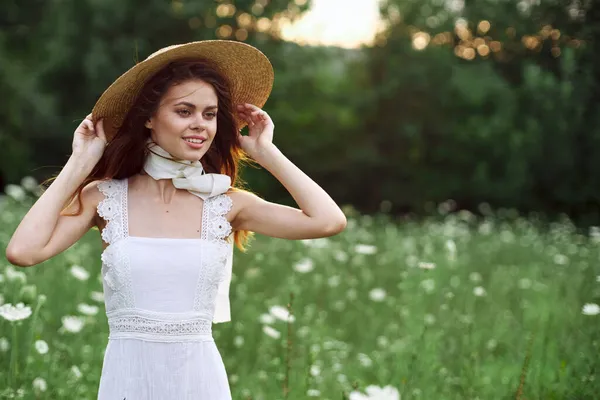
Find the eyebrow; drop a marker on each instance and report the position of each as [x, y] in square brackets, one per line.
[185, 103]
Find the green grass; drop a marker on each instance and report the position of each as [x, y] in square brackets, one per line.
[431, 337]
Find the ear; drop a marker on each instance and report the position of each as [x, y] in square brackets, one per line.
[148, 124]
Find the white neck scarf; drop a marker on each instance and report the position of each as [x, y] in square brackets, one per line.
[190, 176]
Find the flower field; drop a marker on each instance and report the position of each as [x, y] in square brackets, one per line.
[452, 306]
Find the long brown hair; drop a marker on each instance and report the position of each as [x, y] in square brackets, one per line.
[126, 152]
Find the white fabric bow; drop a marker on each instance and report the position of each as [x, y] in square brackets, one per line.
[190, 176]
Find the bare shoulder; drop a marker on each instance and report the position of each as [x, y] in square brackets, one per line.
[241, 199]
[91, 196]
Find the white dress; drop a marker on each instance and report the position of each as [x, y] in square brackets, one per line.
[160, 297]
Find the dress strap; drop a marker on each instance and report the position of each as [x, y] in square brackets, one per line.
[216, 232]
[214, 223]
[113, 209]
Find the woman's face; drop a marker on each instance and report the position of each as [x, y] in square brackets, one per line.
[185, 122]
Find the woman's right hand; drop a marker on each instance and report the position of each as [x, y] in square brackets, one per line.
[89, 141]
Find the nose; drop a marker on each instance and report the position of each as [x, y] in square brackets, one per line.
[197, 123]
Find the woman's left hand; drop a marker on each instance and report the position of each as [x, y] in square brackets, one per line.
[260, 130]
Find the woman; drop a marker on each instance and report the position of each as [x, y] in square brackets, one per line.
[152, 168]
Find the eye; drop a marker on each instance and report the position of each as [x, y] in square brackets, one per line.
[184, 112]
[211, 115]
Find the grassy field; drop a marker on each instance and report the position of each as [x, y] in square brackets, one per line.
[450, 307]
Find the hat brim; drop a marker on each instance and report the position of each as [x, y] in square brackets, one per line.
[248, 70]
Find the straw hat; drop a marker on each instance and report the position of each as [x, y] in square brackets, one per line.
[247, 69]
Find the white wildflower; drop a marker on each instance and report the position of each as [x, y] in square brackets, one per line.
[97, 296]
[426, 265]
[13, 275]
[41, 346]
[76, 372]
[364, 360]
[451, 249]
[238, 341]
[313, 393]
[281, 313]
[15, 313]
[590, 309]
[72, 324]
[475, 277]
[340, 256]
[15, 191]
[4, 344]
[333, 281]
[485, 228]
[272, 332]
[80, 273]
[377, 294]
[429, 319]
[303, 331]
[376, 393]
[411, 260]
[560, 259]
[428, 285]
[315, 370]
[29, 183]
[595, 234]
[365, 249]
[339, 305]
[305, 265]
[382, 341]
[266, 319]
[524, 283]
[479, 291]
[39, 384]
[87, 309]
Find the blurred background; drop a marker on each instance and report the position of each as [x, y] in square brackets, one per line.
[389, 105]
[461, 137]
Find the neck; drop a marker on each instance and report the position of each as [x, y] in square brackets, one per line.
[161, 190]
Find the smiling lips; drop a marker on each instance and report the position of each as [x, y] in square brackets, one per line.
[195, 142]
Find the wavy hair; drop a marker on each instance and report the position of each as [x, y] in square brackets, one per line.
[127, 151]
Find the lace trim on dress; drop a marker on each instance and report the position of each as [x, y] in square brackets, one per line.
[142, 324]
[110, 209]
[216, 226]
[215, 230]
[115, 262]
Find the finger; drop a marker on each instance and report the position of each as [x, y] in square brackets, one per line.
[89, 125]
[100, 130]
[244, 116]
[251, 106]
[256, 116]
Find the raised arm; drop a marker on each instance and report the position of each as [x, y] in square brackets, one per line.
[44, 232]
[318, 216]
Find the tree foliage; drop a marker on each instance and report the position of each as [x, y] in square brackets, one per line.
[477, 101]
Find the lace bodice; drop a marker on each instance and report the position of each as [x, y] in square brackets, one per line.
[164, 288]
